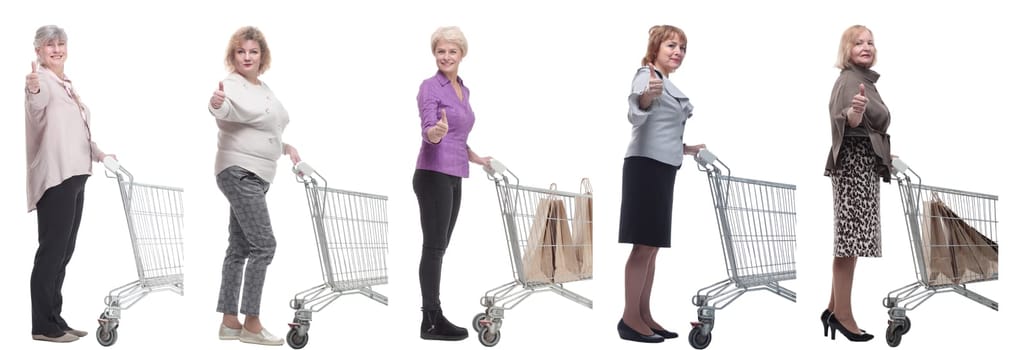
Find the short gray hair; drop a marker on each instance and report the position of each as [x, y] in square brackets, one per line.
[450, 34]
[48, 33]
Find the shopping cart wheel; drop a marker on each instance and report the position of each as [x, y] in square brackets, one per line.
[477, 322]
[295, 340]
[894, 333]
[488, 338]
[105, 337]
[697, 339]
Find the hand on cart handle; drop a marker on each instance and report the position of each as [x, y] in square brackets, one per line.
[292, 152]
[899, 165]
[303, 169]
[111, 163]
[494, 168]
[693, 150]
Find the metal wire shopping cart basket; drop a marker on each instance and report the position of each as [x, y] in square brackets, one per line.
[351, 240]
[155, 217]
[543, 258]
[953, 237]
[757, 233]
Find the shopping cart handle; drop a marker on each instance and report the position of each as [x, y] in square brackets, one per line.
[111, 164]
[705, 157]
[496, 167]
[303, 168]
[899, 165]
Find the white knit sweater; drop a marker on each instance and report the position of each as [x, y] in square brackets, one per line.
[251, 122]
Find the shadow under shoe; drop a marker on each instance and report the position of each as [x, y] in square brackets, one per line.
[436, 327]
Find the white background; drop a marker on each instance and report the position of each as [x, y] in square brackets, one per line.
[548, 81]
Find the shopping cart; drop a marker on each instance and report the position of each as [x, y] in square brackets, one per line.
[972, 214]
[351, 240]
[155, 217]
[518, 209]
[757, 233]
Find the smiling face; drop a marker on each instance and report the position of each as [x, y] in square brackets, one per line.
[863, 51]
[247, 59]
[448, 57]
[671, 54]
[53, 54]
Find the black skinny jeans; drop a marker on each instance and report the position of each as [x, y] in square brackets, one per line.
[439, 197]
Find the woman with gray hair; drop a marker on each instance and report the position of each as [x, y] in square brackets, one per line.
[59, 156]
[446, 119]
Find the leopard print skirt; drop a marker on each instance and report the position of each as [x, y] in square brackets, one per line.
[856, 191]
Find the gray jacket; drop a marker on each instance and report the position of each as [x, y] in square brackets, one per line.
[658, 132]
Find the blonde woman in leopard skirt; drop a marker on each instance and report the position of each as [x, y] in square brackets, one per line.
[860, 156]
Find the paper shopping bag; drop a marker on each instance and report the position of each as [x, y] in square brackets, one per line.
[538, 258]
[566, 266]
[583, 230]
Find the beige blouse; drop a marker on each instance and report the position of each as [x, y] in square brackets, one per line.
[58, 142]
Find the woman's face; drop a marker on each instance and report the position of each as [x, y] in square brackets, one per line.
[247, 59]
[863, 49]
[671, 53]
[448, 57]
[53, 54]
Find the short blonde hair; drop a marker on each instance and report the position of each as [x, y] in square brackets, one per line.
[242, 35]
[844, 51]
[452, 35]
[657, 36]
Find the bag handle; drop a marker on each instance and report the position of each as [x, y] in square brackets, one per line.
[585, 186]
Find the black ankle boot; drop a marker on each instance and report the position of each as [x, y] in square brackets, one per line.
[436, 327]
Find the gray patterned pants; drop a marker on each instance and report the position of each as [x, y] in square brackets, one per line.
[251, 238]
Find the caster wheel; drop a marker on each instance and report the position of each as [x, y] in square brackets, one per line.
[908, 325]
[296, 341]
[477, 321]
[106, 338]
[697, 339]
[488, 338]
[894, 333]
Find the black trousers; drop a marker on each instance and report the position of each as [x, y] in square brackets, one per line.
[439, 197]
[59, 212]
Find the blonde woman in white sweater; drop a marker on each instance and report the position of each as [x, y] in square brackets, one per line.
[251, 122]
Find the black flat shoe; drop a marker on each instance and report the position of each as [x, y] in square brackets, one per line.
[666, 334]
[627, 333]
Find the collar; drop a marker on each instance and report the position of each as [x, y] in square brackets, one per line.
[869, 74]
[442, 79]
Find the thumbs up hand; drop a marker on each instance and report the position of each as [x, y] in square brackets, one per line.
[656, 85]
[218, 97]
[439, 130]
[32, 80]
[859, 101]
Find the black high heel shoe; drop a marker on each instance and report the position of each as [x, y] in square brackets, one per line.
[856, 337]
[627, 333]
[825, 318]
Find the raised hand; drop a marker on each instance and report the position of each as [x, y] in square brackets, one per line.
[32, 80]
[218, 97]
[859, 101]
[656, 85]
[439, 130]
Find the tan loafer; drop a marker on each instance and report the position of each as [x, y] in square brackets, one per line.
[77, 333]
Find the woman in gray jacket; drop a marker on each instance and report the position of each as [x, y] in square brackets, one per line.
[657, 111]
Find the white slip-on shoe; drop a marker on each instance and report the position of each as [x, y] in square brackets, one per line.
[264, 337]
[227, 333]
